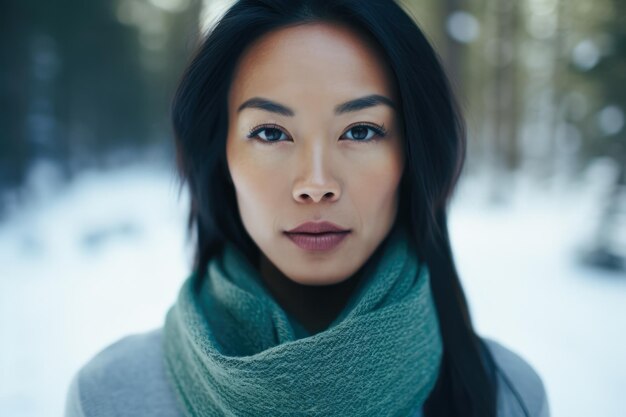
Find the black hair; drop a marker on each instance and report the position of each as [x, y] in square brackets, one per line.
[435, 144]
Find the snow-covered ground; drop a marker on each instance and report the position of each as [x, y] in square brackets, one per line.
[521, 269]
[86, 264]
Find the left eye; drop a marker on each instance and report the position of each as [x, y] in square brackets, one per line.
[363, 133]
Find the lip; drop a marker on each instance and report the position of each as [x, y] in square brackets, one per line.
[318, 241]
[320, 236]
[317, 227]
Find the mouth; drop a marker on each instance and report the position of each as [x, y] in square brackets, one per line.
[318, 241]
[318, 228]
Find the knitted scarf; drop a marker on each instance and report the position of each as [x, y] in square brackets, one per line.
[231, 350]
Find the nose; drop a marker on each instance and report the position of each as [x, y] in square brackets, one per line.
[315, 182]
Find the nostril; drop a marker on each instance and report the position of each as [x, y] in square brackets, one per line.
[314, 196]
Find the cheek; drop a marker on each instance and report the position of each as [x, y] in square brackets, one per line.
[374, 183]
[258, 187]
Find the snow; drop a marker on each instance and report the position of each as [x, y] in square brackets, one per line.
[527, 289]
[78, 270]
[85, 264]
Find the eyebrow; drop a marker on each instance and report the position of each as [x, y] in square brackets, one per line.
[349, 106]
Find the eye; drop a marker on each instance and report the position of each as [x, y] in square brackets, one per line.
[267, 133]
[365, 132]
[362, 132]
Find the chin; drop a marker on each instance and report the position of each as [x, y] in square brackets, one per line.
[312, 276]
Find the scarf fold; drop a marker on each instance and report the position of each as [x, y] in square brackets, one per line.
[231, 350]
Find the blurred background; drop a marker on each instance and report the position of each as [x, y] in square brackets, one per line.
[92, 219]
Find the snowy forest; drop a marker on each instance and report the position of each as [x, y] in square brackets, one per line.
[90, 212]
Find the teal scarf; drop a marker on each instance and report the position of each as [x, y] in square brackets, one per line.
[231, 350]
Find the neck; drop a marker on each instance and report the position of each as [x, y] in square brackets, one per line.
[313, 306]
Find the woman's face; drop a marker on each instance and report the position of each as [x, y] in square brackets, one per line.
[298, 153]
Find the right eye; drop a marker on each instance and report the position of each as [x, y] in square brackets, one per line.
[268, 134]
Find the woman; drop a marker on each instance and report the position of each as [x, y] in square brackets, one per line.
[321, 144]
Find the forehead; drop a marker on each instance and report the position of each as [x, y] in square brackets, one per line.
[316, 60]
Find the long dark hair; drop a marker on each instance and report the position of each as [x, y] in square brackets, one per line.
[434, 147]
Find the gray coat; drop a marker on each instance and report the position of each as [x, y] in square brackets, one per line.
[127, 378]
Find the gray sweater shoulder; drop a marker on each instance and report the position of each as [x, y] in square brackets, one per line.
[127, 378]
[521, 391]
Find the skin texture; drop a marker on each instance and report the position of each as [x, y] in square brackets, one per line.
[316, 168]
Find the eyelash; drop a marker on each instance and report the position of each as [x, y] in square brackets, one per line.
[379, 132]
